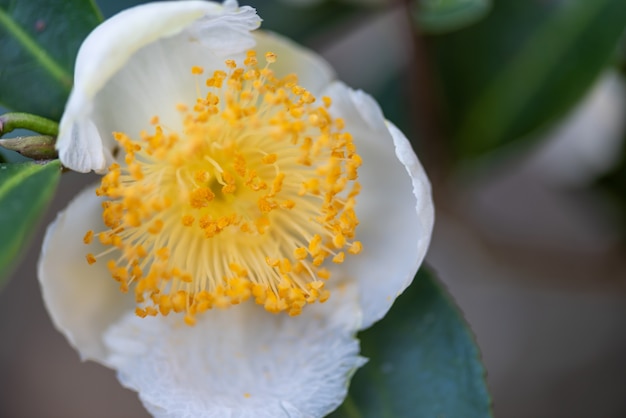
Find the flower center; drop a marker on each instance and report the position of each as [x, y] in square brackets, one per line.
[250, 201]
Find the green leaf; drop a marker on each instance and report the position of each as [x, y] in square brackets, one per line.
[522, 67]
[423, 361]
[39, 40]
[439, 16]
[25, 191]
[305, 23]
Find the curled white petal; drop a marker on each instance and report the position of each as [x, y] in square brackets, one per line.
[395, 210]
[228, 31]
[83, 300]
[112, 44]
[240, 362]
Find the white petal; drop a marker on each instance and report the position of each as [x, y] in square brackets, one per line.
[152, 83]
[82, 299]
[227, 32]
[314, 73]
[240, 362]
[395, 207]
[112, 44]
[80, 147]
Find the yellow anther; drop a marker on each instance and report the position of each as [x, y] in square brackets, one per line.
[355, 247]
[300, 253]
[165, 304]
[201, 197]
[315, 244]
[238, 270]
[339, 240]
[266, 205]
[163, 253]
[285, 266]
[201, 176]
[323, 274]
[179, 301]
[90, 258]
[188, 220]
[270, 57]
[339, 123]
[190, 320]
[88, 237]
[196, 70]
[317, 285]
[269, 159]
[156, 226]
[272, 262]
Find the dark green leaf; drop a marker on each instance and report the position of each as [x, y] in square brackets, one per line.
[38, 44]
[439, 16]
[111, 7]
[25, 191]
[423, 361]
[522, 67]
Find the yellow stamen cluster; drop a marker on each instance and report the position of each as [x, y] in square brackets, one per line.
[249, 201]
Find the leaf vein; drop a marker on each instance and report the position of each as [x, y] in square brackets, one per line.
[35, 50]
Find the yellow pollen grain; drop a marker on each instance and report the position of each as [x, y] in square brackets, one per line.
[270, 57]
[355, 247]
[269, 159]
[88, 237]
[201, 197]
[300, 253]
[252, 200]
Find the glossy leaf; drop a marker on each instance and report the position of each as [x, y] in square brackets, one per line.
[522, 67]
[39, 40]
[423, 361]
[25, 191]
[440, 16]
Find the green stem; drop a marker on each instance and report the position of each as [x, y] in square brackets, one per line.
[39, 147]
[16, 120]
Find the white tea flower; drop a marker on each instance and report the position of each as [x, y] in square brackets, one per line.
[254, 215]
